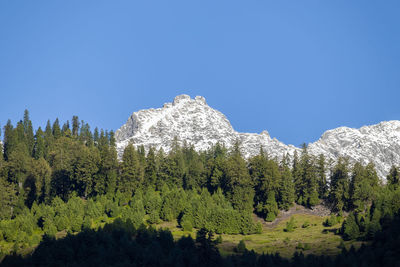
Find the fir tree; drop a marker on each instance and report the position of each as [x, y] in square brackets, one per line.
[48, 139]
[271, 207]
[286, 187]
[39, 148]
[321, 177]
[339, 185]
[393, 178]
[28, 130]
[239, 185]
[150, 175]
[10, 140]
[75, 126]
[56, 129]
[305, 180]
[131, 171]
[65, 130]
[96, 135]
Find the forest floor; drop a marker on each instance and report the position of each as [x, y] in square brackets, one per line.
[312, 239]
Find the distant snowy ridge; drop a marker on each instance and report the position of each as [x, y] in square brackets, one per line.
[193, 121]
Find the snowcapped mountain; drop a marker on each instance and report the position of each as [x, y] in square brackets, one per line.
[193, 121]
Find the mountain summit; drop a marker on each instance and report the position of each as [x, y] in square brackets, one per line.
[193, 121]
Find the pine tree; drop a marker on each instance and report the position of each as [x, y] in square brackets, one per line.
[339, 185]
[75, 126]
[65, 130]
[10, 140]
[111, 138]
[28, 130]
[216, 166]
[85, 168]
[356, 186]
[7, 199]
[286, 187]
[62, 157]
[41, 176]
[105, 180]
[39, 148]
[306, 180]
[321, 177]
[393, 178]
[48, 139]
[239, 185]
[56, 129]
[350, 228]
[96, 135]
[271, 207]
[175, 168]
[85, 135]
[131, 171]
[150, 175]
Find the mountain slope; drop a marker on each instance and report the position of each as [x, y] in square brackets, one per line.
[193, 121]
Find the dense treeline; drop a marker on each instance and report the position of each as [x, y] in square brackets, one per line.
[121, 244]
[68, 178]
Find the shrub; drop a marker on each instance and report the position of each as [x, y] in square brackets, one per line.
[299, 246]
[187, 226]
[290, 225]
[331, 221]
[241, 247]
[306, 224]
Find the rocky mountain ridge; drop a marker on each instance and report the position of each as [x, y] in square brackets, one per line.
[193, 121]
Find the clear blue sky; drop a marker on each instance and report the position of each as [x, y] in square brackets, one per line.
[295, 68]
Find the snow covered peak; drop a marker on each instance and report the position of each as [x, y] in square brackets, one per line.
[194, 122]
[180, 98]
[379, 143]
[190, 120]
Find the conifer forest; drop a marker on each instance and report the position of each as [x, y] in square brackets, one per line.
[67, 199]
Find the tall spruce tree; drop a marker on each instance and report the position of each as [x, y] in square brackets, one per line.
[286, 186]
[39, 148]
[306, 180]
[56, 129]
[75, 126]
[239, 184]
[321, 177]
[150, 175]
[48, 139]
[393, 178]
[8, 199]
[131, 171]
[28, 130]
[10, 140]
[339, 185]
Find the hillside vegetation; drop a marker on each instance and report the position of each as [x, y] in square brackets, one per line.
[67, 179]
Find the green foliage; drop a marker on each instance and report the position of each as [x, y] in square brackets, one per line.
[271, 207]
[306, 224]
[290, 225]
[393, 178]
[339, 184]
[241, 247]
[66, 181]
[350, 229]
[187, 225]
[331, 221]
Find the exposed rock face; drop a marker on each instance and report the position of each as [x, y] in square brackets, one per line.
[379, 143]
[193, 121]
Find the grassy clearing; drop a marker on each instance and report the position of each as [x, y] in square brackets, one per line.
[311, 239]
